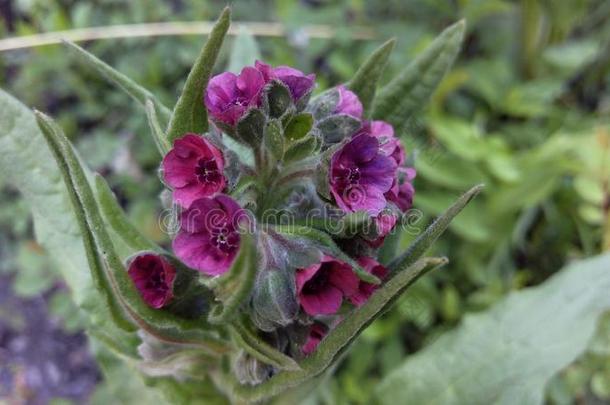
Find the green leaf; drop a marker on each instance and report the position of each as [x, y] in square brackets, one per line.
[365, 81]
[137, 92]
[155, 128]
[235, 286]
[507, 354]
[326, 244]
[108, 271]
[431, 234]
[338, 340]
[398, 100]
[115, 217]
[190, 114]
[261, 350]
[298, 127]
[31, 168]
[245, 50]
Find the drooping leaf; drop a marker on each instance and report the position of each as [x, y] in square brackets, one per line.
[338, 340]
[117, 219]
[507, 354]
[365, 81]
[190, 114]
[245, 50]
[408, 92]
[109, 272]
[137, 92]
[431, 234]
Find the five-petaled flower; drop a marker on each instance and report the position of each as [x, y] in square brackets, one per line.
[360, 174]
[322, 286]
[153, 277]
[209, 235]
[193, 169]
[228, 96]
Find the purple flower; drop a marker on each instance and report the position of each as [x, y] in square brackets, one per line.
[154, 278]
[322, 286]
[194, 169]
[384, 222]
[360, 174]
[402, 190]
[208, 240]
[348, 103]
[317, 332]
[388, 143]
[299, 83]
[229, 96]
[365, 290]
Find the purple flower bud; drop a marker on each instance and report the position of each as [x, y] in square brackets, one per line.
[360, 174]
[229, 96]
[322, 286]
[298, 83]
[402, 190]
[348, 103]
[316, 334]
[365, 290]
[194, 169]
[154, 278]
[208, 240]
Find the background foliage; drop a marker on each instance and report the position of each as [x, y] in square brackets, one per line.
[524, 110]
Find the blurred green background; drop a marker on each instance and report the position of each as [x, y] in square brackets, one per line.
[525, 110]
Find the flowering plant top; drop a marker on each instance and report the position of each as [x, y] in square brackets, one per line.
[282, 198]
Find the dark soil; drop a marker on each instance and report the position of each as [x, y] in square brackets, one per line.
[39, 361]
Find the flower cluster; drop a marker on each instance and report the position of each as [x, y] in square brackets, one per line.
[321, 152]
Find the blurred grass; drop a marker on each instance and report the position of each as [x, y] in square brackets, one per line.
[525, 110]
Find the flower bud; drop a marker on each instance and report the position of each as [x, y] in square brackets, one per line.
[251, 127]
[249, 370]
[274, 299]
[277, 99]
[317, 332]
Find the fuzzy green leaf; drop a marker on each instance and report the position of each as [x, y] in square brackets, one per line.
[365, 81]
[398, 100]
[155, 128]
[507, 354]
[109, 271]
[261, 350]
[117, 219]
[432, 233]
[190, 114]
[137, 92]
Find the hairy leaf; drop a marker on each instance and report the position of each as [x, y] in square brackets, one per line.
[365, 81]
[508, 353]
[190, 114]
[406, 93]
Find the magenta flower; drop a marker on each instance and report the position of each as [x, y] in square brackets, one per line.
[208, 240]
[384, 222]
[365, 290]
[229, 96]
[388, 143]
[321, 287]
[348, 103]
[316, 334]
[299, 83]
[154, 278]
[194, 169]
[402, 191]
[360, 175]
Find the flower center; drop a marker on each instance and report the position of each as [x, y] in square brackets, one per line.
[353, 175]
[207, 171]
[319, 281]
[225, 239]
[156, 280]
